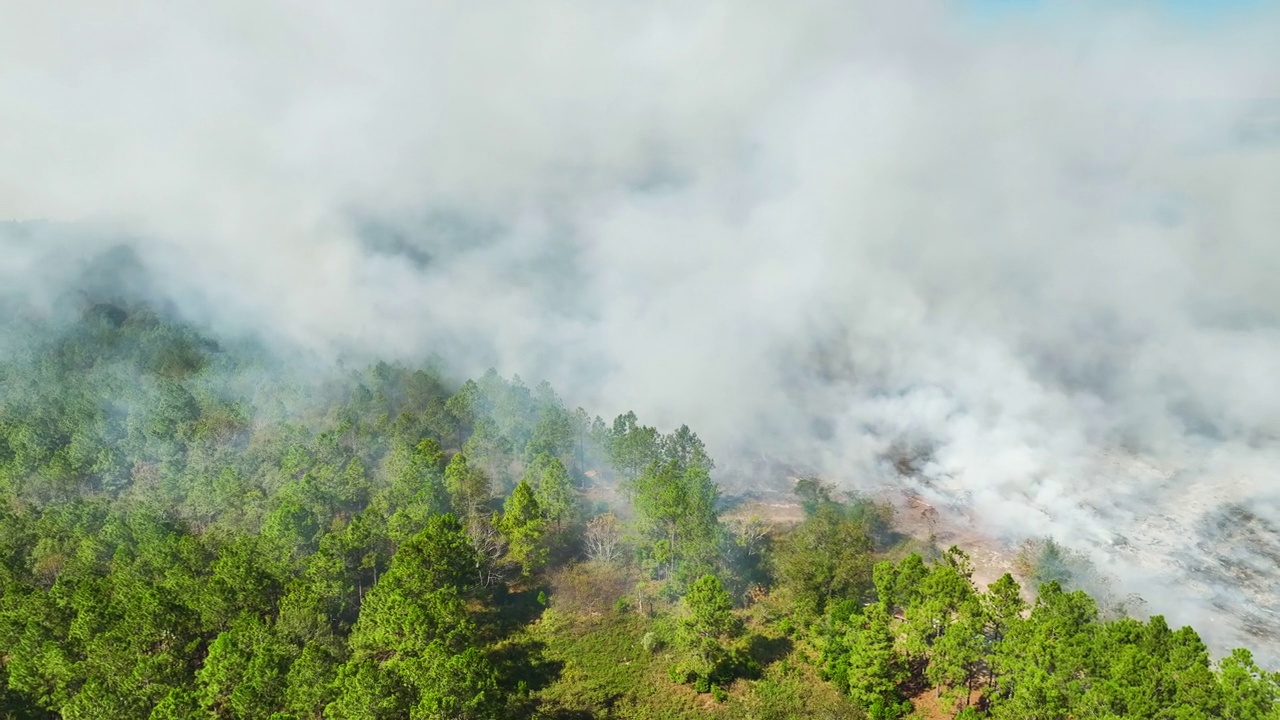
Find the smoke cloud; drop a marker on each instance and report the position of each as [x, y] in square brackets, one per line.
[1039, 250]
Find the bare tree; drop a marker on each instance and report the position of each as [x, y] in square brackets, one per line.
[751, 533]
[604, 538]
[492, 548]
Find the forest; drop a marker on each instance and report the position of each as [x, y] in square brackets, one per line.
[191, 530]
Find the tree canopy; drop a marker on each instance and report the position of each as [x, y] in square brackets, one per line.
[189, 529]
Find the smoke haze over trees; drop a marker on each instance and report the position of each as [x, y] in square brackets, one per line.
[1039, 251]
[190, 533]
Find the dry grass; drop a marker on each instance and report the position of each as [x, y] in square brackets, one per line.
[588, 589]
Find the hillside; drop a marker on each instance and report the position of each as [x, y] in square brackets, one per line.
[192, 529]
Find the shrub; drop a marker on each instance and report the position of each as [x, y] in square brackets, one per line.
[651, 642]
[587, 588]
[787, 626]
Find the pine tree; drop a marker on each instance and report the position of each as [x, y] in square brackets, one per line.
[468, 487]
[524, 528]
[875, 668]
[416, 644]
[553, 489]
[707, 623]
[678, 505]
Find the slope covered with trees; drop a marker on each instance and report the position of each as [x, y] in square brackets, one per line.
[189, 531]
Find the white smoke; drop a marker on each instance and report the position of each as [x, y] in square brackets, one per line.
[1043, 248]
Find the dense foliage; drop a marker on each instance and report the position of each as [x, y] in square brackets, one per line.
[188, 531]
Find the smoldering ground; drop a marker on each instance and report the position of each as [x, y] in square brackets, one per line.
[1040, 248]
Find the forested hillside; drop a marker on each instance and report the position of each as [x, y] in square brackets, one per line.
[191, 531]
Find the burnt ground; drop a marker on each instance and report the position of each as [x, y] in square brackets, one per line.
[912, 518]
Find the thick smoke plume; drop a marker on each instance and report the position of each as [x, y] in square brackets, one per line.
[1038, 251]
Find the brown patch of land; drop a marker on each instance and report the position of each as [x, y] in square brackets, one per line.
[942, 529]
[780, 514]
[927, 705]
[914, 518]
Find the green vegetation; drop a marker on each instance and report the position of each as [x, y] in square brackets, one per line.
[189, 532]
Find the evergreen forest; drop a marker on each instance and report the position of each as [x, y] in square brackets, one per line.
[191, 529]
